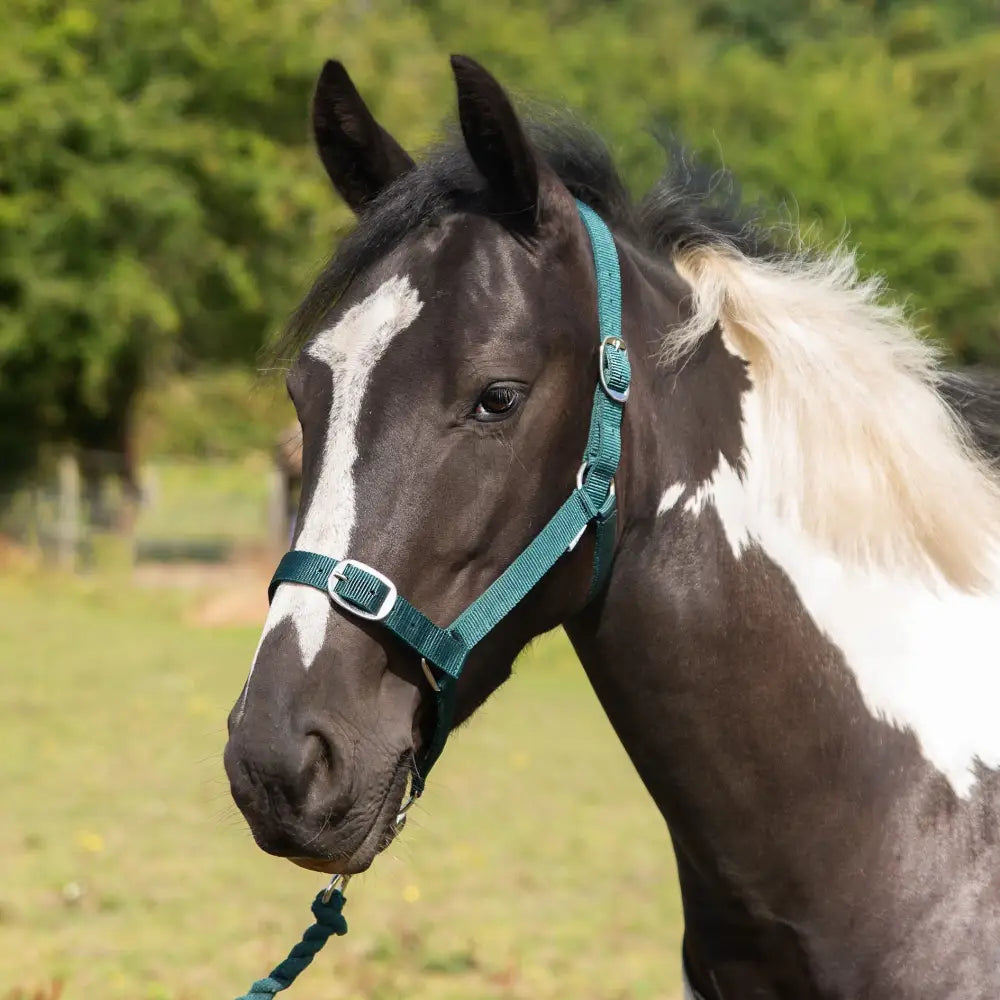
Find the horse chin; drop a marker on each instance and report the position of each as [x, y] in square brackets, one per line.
[380, 835]
[317, 865]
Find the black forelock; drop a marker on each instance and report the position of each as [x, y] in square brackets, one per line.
[690, 205]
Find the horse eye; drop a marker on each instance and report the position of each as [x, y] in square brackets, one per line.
[497, 401]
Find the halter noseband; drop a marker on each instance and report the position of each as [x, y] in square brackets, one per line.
[365, 593]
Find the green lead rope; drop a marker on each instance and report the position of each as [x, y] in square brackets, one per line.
[329, 920]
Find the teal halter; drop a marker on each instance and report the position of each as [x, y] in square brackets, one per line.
[365, 593]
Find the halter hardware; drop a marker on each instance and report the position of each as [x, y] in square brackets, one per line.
[614, 381]
[366, 593]
[335, 883]
[358, 588]
[607, 507]
[429, 674]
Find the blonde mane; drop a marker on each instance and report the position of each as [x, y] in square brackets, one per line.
[861, 449]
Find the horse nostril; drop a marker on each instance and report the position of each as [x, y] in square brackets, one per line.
[319, 754]
[289, 789]
[322, 769]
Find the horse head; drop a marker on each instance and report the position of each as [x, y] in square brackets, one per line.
[448, 363]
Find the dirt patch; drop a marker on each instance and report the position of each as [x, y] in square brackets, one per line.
[239, 606]
[15, 558]
[228, 594]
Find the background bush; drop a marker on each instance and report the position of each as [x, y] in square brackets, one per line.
[161, 210]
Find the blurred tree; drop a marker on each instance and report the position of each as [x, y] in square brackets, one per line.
[850, 152]
[960, 86]
[160, 208]
[837, 132]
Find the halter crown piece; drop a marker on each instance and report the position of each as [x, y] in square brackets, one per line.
[366, 593]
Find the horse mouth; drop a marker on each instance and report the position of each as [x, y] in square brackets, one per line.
[380, 834]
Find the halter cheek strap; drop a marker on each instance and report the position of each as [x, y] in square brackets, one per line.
[366, 593]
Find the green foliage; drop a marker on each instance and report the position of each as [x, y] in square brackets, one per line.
[878, 169]
[138, 227]
[212, 413]
[160, 207]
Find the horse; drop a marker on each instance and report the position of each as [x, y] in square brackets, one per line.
[795, 636]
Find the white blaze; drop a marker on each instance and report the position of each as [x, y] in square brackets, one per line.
[351, 348]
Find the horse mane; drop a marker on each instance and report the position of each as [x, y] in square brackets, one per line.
[872, 446]
[861, 444]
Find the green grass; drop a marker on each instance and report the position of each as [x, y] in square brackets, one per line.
[534, 867]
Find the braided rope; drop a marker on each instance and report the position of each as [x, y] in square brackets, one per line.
[329, 920]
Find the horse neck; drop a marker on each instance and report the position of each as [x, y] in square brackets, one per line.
[746, 723]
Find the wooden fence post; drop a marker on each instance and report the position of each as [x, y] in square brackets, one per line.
[277, 510]
[68, 530]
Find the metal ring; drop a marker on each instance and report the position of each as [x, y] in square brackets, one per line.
[581, 475]
[429, 674]
[403, 810]
[618, 395]
[337, 882]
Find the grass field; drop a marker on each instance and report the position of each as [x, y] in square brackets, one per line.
[534, 867]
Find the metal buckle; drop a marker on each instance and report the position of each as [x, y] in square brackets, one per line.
[384, 608]
[618, 395]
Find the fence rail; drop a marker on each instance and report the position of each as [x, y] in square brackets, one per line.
[84, 511]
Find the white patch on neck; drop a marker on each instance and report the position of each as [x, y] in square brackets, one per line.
[669, 499]
[351, 348]
[925, 655]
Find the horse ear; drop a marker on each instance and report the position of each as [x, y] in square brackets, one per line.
[360, 157]
[497, 144]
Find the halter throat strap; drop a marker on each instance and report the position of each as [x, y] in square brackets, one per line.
[366, 593]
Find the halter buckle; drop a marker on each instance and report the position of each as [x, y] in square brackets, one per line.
[618, 395]
[337, 574]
